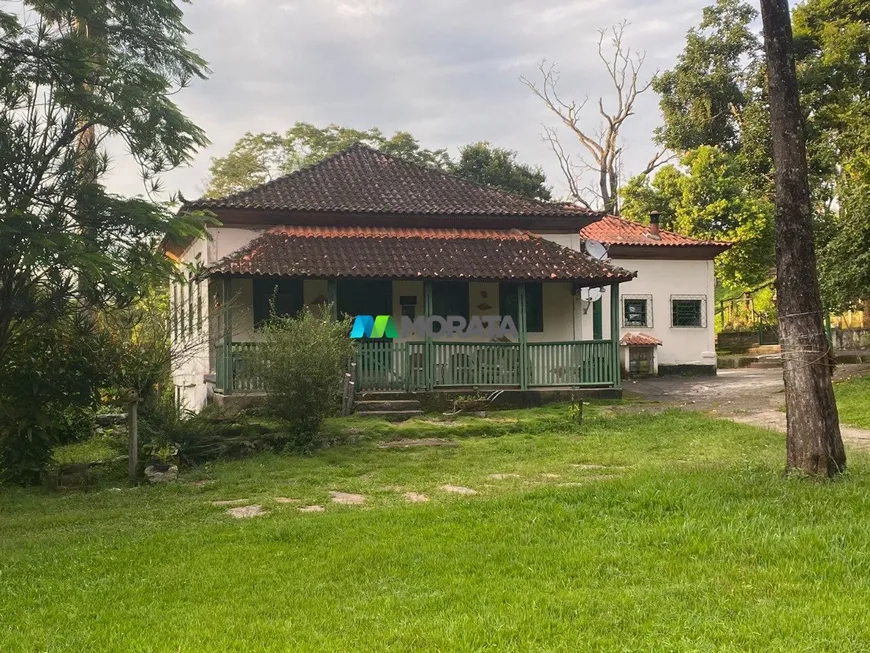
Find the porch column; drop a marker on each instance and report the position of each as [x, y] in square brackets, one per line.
[614, 335]
[522, 327]
[332, 296]
[227, 312]
[428, 349]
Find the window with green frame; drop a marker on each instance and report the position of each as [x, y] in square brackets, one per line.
[688, 311]
[508, 301]
[451, 298]
[287, 294]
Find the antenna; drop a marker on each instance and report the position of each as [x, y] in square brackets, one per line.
[596, 250]
[591, 295]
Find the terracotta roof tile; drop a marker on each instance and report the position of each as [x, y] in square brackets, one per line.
[639, 340]
[383, 252]
[613, 230]
[364, 181]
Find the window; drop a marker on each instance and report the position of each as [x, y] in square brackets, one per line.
[364, 297]
[181, 314]
[175, 310]
[199, 307]
[637, 311]
[450, 298]
[286, 293]
[508, 300]
[190, 306]
[688, 311]
[408, 304]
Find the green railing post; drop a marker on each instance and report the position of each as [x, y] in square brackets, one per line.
[428, 353]
[523, 329]
[226, 309]
[614, 335]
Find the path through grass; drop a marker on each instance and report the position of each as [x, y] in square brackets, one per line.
[687, 538]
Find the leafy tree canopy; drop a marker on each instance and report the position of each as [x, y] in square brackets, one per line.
[75, 73]
[706, 198]
[495, 166]
[258, 158]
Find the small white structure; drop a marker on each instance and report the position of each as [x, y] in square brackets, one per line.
[666, 316]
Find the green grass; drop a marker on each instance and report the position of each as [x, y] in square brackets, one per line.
[697, 543]
[853, 401]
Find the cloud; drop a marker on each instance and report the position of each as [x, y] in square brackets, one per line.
[445, 70]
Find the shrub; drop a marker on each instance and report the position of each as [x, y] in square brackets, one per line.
[302, 362]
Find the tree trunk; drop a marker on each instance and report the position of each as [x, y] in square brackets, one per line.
[814, 444]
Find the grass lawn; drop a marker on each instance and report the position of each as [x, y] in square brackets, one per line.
[687, 537]
[853, 401]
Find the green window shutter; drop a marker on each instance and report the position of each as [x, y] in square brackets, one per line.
[687, 312]
[508, 301]
[451, 298]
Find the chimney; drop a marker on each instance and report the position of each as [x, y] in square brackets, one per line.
[653, 231]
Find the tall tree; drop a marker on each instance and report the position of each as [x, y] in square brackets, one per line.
[258, 158]
[495, 166]
[76, 73]
[814, 444]
[602, 146]
[706, 197]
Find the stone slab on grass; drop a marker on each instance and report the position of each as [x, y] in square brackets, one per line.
[414, 497]
[246, 512]
[285, 500]
[228, 502]
[347, 499]
[458, 489]
[312, 509]
[502, 477]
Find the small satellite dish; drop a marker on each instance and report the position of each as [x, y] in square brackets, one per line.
[591, 295]
[596, 250]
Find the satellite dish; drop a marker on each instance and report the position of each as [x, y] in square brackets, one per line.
[596, 250]
[591, 295]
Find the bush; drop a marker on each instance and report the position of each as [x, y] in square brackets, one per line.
[302, 361]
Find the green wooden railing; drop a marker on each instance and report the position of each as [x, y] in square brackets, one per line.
[236, 370]
[388, 365]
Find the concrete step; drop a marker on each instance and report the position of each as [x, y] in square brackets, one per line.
[398, 405]
[390, 415]
[386, 395]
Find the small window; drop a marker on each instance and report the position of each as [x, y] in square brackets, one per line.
[174, 310]
[287, 295]
[199, 307]
[408, 304]
[190, 307]
[636, 312]
[182, 325]
[688, 311]
[508, 300]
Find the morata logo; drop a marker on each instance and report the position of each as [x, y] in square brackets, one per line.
[384, 326]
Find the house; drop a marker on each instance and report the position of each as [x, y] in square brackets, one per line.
[666, 323]
[373, 235]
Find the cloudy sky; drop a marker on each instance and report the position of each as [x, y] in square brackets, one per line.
[445, 70]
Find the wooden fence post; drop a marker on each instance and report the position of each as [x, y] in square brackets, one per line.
[133, 435]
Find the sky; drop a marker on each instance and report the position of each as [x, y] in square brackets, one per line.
[445, 70]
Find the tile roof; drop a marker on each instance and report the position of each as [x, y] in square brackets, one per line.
[362, 180]
[613, 230]
[392, 253]
[639, 340]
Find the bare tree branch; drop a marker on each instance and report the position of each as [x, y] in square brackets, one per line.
[602, 142]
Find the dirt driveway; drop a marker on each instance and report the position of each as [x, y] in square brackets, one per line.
[748, 396]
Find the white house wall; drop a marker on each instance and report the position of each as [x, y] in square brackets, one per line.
[661, 279]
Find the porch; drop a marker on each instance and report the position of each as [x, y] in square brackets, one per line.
[425, 366]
